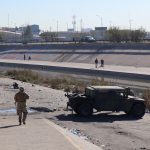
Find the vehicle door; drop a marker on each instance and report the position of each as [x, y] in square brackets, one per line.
[106, 100]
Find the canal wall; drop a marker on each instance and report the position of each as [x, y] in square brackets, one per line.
[77, 70]
[73, 46]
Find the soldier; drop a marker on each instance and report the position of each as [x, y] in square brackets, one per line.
[20, 99]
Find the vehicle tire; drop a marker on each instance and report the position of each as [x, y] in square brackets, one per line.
[76, 110]
[85, 109]
[138, 110]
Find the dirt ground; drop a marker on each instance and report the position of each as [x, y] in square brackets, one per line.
[112, 131]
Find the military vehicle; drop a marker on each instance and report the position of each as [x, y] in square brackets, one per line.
[106, 98]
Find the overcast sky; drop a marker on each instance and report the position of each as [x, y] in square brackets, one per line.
[46, 13]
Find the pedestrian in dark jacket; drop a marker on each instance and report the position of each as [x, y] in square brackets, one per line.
[102, 62]
[96, 63]
[24, 57]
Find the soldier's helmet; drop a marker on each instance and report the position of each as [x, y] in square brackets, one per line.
[21, 89]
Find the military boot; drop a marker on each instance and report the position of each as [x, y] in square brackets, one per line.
[20, 119]
[24, 117]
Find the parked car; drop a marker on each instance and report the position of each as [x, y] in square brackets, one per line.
[88, 39]
[106, 98]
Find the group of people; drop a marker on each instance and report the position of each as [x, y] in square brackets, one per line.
[29, 58]
[96, 63]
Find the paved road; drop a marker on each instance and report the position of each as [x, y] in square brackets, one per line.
[38, 134]
[117, 72]
[125, 69]
[112, 131]
[135, 77]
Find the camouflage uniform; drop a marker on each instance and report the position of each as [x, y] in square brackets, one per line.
[20, 100]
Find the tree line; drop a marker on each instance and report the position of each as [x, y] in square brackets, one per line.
[114, 34]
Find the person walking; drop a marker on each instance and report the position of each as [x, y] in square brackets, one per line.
[102, 62]
[96, 63]
[29, 58]
[20, 100]
[24, 57]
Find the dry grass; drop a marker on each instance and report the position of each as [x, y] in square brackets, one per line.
[70, 84]
[25, 76]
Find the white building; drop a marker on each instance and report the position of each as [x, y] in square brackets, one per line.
[8, 36]
[99, 33]
[147, 37]
[34, 29]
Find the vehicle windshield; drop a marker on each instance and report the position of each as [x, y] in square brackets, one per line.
[90, 37]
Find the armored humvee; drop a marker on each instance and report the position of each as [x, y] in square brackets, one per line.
[106, 98]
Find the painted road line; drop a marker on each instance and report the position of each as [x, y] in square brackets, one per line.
[76, 141]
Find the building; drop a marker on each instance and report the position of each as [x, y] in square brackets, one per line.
[34, 29]
[86, 30]
[10, 37]
[99, 33]
[147, 36]
[9, 29]
[71, 30]
[13, 35]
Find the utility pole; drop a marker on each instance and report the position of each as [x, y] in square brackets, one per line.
[57, 26]
[101, 22]
[57, 30]
[8, 20]
[110, 24]
[67, 26]
[15, 33]
[101, 19]
[74, 23]
[130, 24]
[81, 25]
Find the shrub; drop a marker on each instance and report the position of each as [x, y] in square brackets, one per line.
[67, 83]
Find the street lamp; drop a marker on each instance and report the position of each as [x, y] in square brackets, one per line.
[130, 23]
[57, 30]
[67, 26]
[101, 19]
[110, 24]
[57, 26]
[15, 33]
